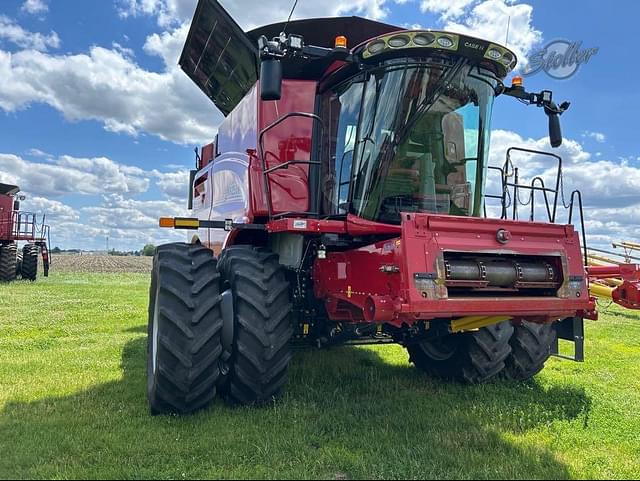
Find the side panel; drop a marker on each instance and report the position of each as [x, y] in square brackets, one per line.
[221, 190]
[290, 140]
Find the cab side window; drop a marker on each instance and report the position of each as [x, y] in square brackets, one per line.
[340, 112]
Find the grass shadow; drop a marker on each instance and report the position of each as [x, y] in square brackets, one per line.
[347, 413]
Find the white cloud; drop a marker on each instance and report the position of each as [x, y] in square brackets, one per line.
[174, 185]
[488, 20]
[169, 12]
[108, 86]
[118, 212]
[168, 45]
[249, 13]
[129, 222]
[597, 136]
[38, 153]
[69, 175]
[11, 32]
[54, 210]
[447, 10]
[35, 7]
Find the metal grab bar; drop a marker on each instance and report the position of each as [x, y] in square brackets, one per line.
[284, 165]
[509, 170]
[578, 194]
[514, 172]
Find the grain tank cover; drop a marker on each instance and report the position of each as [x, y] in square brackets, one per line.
[219, 57]
[8, 189]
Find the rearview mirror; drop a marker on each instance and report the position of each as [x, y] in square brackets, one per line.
[555, 132]
[270, 79]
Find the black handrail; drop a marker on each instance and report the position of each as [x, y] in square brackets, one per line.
[576, 196]
[584, 234]
[503, 214]
[284, 165]
[532, 197]
[508, 162]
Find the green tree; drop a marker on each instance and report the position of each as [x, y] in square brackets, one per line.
[149, 250]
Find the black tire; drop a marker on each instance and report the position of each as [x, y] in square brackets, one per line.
[472, 357]
[261, 351]
[8, 262]
[185, 321]
[530, 350]
[29, 269]
[19, 265]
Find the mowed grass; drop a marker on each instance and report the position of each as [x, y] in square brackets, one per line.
[72, 405]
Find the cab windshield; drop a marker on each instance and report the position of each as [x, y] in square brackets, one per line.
[408, 137]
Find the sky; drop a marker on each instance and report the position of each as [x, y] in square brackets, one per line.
[98, 124]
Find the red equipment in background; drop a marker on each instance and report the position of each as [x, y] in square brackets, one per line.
[625, 278]
[25, 227]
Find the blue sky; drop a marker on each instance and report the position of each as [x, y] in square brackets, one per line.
[98, 125]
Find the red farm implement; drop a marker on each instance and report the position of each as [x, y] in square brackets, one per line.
[343, 201]
[25, 228]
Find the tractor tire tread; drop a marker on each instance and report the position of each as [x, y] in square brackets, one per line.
[263, 328]
[530, 350]
[186, 281]
[479, 356]
[29, 270]
[8, 262]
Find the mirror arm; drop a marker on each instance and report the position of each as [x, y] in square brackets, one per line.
[543, 99]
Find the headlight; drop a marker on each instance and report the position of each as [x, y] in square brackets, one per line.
[376, 46]
[398, 41]
[445, 42]
[494, 54]
[423, 39]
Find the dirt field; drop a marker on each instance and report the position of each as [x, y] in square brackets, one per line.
[100, 264]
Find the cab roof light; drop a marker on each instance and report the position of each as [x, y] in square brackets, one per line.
[341, 41]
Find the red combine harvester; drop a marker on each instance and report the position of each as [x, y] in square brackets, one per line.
[343, 202]
[17, 226]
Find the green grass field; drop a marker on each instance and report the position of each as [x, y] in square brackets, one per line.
[72, 405]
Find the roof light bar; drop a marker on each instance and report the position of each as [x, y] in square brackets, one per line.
[442, 41]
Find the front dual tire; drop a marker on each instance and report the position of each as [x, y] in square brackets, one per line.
[185, 322]
[515, 352]
[188, 363]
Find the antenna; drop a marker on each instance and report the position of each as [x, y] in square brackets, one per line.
[293, 9]
[506, 40]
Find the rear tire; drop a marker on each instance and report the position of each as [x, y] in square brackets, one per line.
[184, 329]
[530, 350]
[470, 357]
[8, 262]
[261, 351]
[29, 269]
[19, 265]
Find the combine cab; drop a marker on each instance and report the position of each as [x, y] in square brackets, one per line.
[343, 202]
[18, 226]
